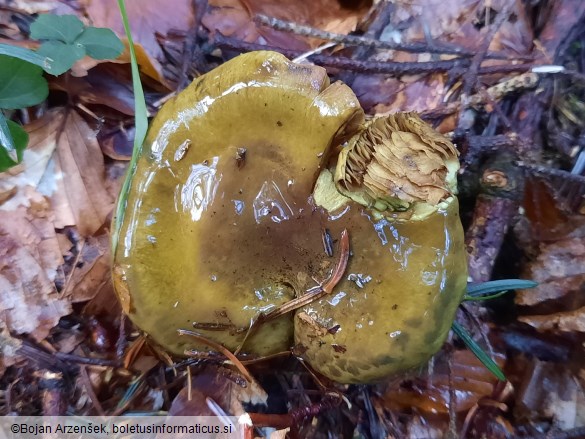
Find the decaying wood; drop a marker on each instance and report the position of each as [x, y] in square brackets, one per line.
[501, 188]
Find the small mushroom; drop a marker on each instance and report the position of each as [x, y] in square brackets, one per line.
[244, 187]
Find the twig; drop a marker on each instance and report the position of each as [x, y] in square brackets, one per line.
[389, 67]
[190, 45]
[315, 51]
[65, 289]
[122, 341]
[394, 68]
[88, 361]
[89, 389]
[42, 358]
[498, 91]
[371, 67]
[470, 77]
[382, 16]
[491, 220]
[218, 348]
[352, 40]
[296, 416]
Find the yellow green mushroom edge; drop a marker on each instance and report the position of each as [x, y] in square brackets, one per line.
[237, 204]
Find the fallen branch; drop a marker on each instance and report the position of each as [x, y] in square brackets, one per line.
[501, 183]
[353, 40]
[372, 67]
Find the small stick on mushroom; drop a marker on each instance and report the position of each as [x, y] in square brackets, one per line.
[322, 290]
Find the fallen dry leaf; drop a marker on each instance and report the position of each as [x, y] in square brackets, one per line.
[67, 341]
[75, 179]
[146, 17]
[29, 258]
[557, 303]
[213, 384]
[554, 289]
[567, 13]
[28, 174]
[464, 22]
[42, 6]
[117, 141]
[105, 302]
[147, 64]
[280, 434]
[234, 18]
[569, 321]
[419, 427]
[8, 29]
[106, 85]
[91, 271]
[551, 391]
[470, 379]
[63, 162]
[8, 350]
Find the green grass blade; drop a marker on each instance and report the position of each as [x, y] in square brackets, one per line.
[27, 55]
[141, 123]
[484, 290]
[6, 140]
[482, 356]
[19, 138]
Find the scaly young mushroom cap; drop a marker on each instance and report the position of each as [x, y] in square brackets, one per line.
[219, 223]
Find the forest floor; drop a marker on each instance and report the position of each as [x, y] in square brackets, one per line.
[504, 79]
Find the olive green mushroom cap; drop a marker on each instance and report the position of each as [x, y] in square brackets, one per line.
[224, 176]
[244, 187]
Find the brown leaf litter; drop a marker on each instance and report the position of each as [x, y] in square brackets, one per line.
[63, 162]
[557, 304]
[29, 259]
